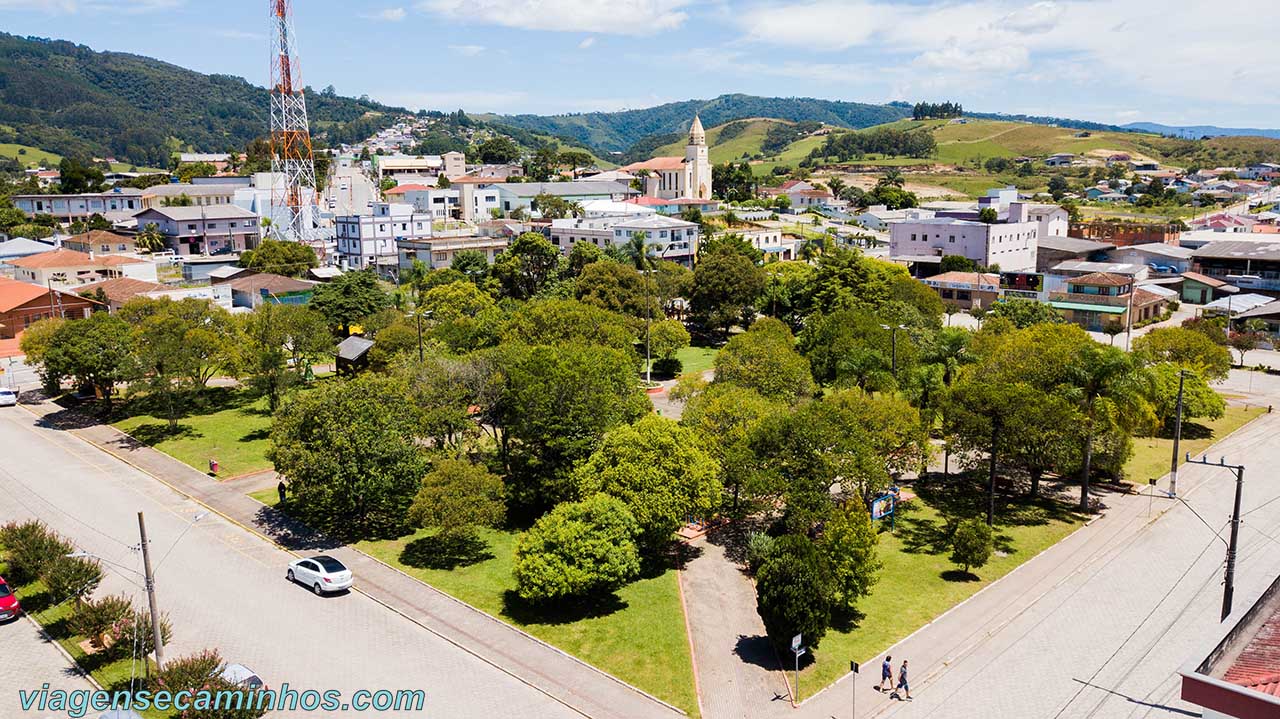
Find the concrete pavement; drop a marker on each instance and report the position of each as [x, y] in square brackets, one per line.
[29, 661]
[224, 587]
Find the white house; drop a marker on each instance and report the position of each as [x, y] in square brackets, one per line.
[438, 202]
[879, 217]
[365, 239]
[1061, 159]
[68, 269]
[202, 230]
[1011, 245]
[118, 200]
[522, 195]
[673, 239]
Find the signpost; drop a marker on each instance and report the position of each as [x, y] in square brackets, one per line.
[884, 506]
[799, 652]
[853, 667]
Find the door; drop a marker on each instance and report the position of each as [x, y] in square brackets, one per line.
[308, 573]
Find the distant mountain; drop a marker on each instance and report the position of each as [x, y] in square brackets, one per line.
[1197, 131]
[618, 131]
[69, 99]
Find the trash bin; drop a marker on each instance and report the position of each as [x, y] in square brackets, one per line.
[213, 466]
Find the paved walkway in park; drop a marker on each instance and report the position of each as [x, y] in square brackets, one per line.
[576, 684]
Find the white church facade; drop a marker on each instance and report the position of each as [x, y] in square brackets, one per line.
[678, 178]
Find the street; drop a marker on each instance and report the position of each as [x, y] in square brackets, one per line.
[224, 588]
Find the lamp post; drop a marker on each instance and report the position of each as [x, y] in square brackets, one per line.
[893, 343]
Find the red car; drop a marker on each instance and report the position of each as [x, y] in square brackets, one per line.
[9, 607]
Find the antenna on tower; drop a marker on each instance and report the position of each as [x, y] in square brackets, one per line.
[292, 164]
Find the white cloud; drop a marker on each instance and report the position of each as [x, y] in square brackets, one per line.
[586, 43]
[391, 14]
[980, 59]
[467, 50]
[615, 17]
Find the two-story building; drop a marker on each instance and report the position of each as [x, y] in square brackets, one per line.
[102, 242]
[117, 202]
[203, 230]
[1010, 245]
[1100, 299]
[523, 195]
[438, 252]
[1249, 265]
[192, 194]
[369, 240]
[437, 202]
[673, 239]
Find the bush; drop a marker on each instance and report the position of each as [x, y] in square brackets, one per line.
[32, 547]
[577, 550]
[794, 593]
[138, 625]
[96, 619]
[199, 672]
[668, 367]
[760, 547]
[71, 577]
[972, 544]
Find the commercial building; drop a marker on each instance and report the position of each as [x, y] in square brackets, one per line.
[364, 240]
[1249, 265]
[204, 230]
[966, 290]
[675, 240]
[190, 194]
[438, 252]
[1010, 245]
[1097, 300]
[411, 167]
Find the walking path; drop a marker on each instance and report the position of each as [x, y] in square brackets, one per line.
[576, 684]
[30, 660]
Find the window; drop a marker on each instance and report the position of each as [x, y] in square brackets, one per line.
[951, 239]
[191, 228]
[913, 237]
[107, 248]
[213, 225]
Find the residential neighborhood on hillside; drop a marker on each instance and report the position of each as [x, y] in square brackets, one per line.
[903, 368]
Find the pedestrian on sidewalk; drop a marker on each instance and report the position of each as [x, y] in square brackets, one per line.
[283, 491]
[886, 675]
[902, 682]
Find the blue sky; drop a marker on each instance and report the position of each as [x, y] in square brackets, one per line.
[1172, 61]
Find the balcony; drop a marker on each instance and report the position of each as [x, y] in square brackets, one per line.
[1087, 299]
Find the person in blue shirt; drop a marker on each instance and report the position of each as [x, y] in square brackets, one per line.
[902, 682]
[886, 675]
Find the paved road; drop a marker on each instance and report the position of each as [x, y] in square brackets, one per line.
[1098, 625]
[350, 190]
[224, 587]
[28, 662]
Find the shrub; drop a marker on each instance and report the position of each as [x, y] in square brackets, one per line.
[794, 593]
[577, 550]
[760, 547]
[138, 625]
[31, 548]
[96, 619]
[71, 577]
[667, 367]
[972, 544]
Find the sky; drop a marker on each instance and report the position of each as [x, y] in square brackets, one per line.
[1114, 61]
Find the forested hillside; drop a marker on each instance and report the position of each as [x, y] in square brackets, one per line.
[71, 100]
[618, 131]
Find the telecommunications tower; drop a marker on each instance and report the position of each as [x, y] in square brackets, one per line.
[293, 190]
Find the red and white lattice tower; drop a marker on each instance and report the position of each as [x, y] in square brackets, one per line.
[291, 159]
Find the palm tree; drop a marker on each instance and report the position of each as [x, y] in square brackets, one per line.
[1111, 390]
[150, 238]
[892, 177]
[837, 186]
[950, 350]
[642, 257]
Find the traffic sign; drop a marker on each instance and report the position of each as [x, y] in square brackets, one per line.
[795, 642]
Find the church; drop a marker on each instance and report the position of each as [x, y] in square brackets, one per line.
[679, 178]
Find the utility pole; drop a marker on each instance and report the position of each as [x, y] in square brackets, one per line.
[1177, 438]
[1229, 578]
[151, 593]
[893, 343]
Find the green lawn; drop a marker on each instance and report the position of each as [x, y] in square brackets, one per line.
[232, 427]
[639, 638]
[918, 582]
[1152, 455]
[32, 157]
[697, 359]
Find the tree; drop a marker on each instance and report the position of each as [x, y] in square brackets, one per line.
[972, 544]
[35, 344]
[348, 299]
[764, 359]
[1024, 313]
[957, 263]
[279, 257]
[456, 497]
[1198, 398]
[615, 287]
[724, 419]
[200, 673]
[71, 578]
[988, 215]
[1186, 348]
[554, 207]
[350, 450]
[733, 182]
[461, 316]
[95, 352]
[1057, 187]
[726, 286]
[849, 543]
[98, 618]
[583, 254]
[150, 238]
[559, 322]
[659, 470]
[1243, 342]
[795, 593]
[76, 177]
[852, 348]
[1111, 328]
[578, 550]
[526, 266]
[471, 263]
[668, 337]
[498, 150]
[277, 346]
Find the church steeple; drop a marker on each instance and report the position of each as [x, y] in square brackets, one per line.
[697, 136]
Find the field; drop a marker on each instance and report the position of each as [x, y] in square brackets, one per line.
[230, 426]
[32, 157]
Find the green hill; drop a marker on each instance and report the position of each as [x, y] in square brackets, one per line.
[743, 139]
[618, 131]
[70, 100]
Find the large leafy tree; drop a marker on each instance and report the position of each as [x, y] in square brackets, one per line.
[1186, 348]
[461, 316]
[279, 257]
[577, 551]
[845, 279]
[351, 453]
[1024, 313]
[851, 348]
[458, 496]
[795, 593]
[277, 346]
[95, 352]
[723, 418]
[615, 287]
[1198, 398]
[556, 322]
[764, 359]
[726, 286]
[849, 543]
[659, 470]
[526, 266]
[349, 298]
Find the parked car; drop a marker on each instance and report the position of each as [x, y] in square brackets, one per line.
[8, 397]
[121, 714]
[322, 573]
[9, 606]
[242, 677]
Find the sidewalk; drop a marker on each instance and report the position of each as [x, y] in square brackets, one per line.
[570, 681]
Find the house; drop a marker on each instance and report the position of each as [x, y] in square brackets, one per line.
[674, 207]
[21, 247]
[1246, 264]
[1061, 159]
[116, 203]
[201, 230]
[68, 269]
[102, 242]
[1059, 275]
[363, 239]
[785, 188]
[1118, 158]
[673, 239]
[196, 268]
[353, 354]
[522, 196]
[1224, 222]
[324, 274]
[438, 252]
[254, 289]
[1236, 673]
[197, 195]
[966, 290]
[1144, 166]
[1259, 170]
[771, 241]
[611, 208]
[437, 202]
[1010, 244]
[23, 304]
[1096, 300]
[1161, 258]
[120, 290]
[671, 178]
[805, 199]
[450, 164]
[878, 217]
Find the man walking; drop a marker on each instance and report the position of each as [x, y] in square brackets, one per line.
[283, 491]
[902, 682]
[886, 675]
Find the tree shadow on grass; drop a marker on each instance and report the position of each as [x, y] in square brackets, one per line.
[562, 611]
[257, 434]
[153, 433]
[959, 575]
[445, 552]
[845, 620]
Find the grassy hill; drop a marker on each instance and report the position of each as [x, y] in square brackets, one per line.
[617, 131]
[70, 100]
[732, 141]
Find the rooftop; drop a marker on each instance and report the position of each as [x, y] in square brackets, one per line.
[274, 284]
[353, 348]
[976, 279]
[177, 189]
[654, 163]
[570, 189]
[70, 258]
[1240, 250]
[1239, 303]
[1239, 673]
[15, 294]
[121, 289]
[1102, 279]
[1073, 245]
[1121, 268]
[1164, 250]
[401, 189]
[210, 212]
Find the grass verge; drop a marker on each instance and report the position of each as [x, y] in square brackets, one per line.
[229, 425]
[1152, 456]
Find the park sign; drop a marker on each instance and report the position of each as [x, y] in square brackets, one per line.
[882, 506]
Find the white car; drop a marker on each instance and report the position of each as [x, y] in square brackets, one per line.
[239, 675]
[8, 397]
[322, 573]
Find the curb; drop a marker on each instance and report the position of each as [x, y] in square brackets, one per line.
[62, 650]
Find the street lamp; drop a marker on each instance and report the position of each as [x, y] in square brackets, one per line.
[418, 315]
[893, 341]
